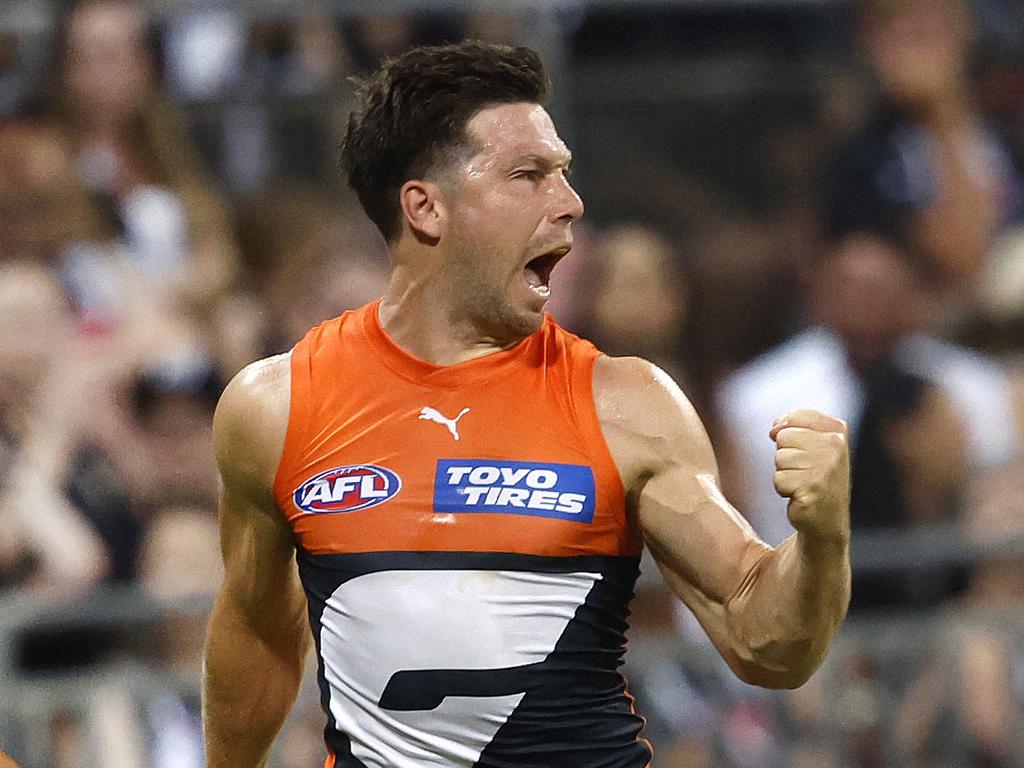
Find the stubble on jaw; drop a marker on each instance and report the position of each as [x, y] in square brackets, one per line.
[480, 300]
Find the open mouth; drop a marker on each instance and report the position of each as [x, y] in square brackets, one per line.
[538, 270]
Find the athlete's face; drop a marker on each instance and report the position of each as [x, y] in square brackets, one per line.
[510, 219]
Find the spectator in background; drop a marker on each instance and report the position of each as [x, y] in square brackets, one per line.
[308, 257]
[42, 208]
[143, 440]
[66, 409]
[134, 159]
[991, 640]
[921, 412]
[640, 299]
[973, 676]
[180, 561]
[926, 164]
[107, 423]
[47, 219]
[154, 427]
[47, 542]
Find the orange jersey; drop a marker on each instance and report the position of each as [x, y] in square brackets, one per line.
[464, 545]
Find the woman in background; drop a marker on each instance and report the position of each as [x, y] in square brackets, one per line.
[143, 177]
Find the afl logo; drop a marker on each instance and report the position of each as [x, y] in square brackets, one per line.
[346, 489]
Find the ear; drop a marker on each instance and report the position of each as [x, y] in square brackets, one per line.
[423, 207]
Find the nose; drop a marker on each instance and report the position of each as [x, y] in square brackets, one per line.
[568, 205]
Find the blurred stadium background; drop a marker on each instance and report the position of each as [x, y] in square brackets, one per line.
[789, 202]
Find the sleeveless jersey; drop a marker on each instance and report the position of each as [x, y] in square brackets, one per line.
[463, 543]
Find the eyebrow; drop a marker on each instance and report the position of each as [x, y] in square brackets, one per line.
[546, 162]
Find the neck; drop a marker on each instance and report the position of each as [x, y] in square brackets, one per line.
[420, 315]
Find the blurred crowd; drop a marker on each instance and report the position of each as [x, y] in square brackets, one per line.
[170, 210]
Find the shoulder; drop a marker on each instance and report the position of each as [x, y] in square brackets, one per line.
[251, 420]
[625, 378]
[646, 418]
[554, 335]
[635, 392]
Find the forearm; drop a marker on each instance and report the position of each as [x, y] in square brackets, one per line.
[784, 615]
[250, 681]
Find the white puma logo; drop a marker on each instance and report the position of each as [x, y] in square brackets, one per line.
[431, 414]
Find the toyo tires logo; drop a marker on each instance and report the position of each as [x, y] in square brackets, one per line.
[537, 489]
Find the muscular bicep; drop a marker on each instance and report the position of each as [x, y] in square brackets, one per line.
[260, 574]
[257, 637]
[702, 544]
[261, 582]
[697, 537]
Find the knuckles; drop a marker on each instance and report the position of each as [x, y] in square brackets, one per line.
[818, 450]
[811, 472]
[837, 440]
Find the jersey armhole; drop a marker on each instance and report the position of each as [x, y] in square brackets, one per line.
[585, 412]
[298, 423]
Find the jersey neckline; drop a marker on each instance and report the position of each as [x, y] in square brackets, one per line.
[421, 371]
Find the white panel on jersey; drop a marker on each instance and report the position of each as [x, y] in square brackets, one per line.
[385, 622]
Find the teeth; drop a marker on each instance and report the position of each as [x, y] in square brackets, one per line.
[541, 290]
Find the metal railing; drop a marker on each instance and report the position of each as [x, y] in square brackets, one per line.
[28, 697]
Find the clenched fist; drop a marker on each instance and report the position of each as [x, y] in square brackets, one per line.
[812, 470]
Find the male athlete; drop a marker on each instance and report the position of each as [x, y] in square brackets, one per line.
[456, 491]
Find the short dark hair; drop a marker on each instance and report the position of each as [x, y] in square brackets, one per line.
[413, 111]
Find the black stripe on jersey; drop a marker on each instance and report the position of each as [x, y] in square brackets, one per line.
[337, 569]
[335, 738]
[575, 711]
[411, 690]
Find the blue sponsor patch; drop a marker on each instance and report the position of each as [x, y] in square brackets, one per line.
[562, 491]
